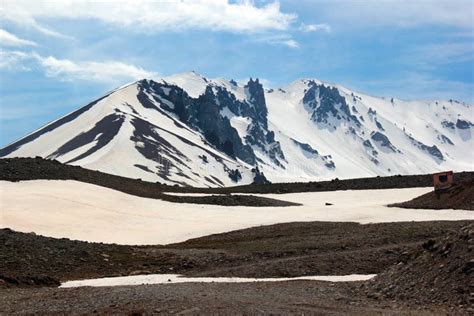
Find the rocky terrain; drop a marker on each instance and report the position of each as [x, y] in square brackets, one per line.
[424, 271]
[283, 250]
[441, 271]
[295, 297]
[18, 169]
[459, 196]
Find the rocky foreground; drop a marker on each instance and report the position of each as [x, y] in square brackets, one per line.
[440, 271]
[420, 270]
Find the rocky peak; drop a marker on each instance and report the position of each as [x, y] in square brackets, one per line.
[326, 101]
[256, 97]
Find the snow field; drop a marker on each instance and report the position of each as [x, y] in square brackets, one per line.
[82, 211]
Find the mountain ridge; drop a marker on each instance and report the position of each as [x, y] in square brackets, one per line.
[189, 130]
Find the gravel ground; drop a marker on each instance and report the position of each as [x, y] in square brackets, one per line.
[283, 250]
[300, 297]
[441, 272]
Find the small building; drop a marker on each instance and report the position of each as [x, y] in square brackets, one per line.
[442, 180]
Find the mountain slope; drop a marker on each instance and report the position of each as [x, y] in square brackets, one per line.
[190, 130]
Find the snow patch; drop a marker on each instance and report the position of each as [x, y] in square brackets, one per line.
[240, 124]
[176, 278]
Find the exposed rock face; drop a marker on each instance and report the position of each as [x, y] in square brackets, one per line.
[382, 141]
[379, 126]
[33, 136]
[235, 175]
[102, 132]
[327, 102]
[368, 144]
[256, 97]
[259, 177]
[431, 150]
[448, 124]
[203, 114]
[445, 139]
[309, 151]
[258, 133]
[306, 147]
[462, 124]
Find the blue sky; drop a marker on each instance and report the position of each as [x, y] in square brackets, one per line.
[57, 56]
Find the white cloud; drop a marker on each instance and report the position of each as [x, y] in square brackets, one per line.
[315, 27]
[14, 60]
[67, 70]
[109, 71]
[291, 43]
[13, 12]
[279, 39]
[153, 16]
[9, 39]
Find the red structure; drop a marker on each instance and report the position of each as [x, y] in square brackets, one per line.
[442, 180]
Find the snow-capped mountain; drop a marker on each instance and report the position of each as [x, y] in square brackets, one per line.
[190, 130]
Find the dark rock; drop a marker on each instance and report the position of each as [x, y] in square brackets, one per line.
[448, 124]
[462, 124]
[327, 102]
[259, 177]
[431, 150]
[305, 147]
[382, 140]
[235, 175]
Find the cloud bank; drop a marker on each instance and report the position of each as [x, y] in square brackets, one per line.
[153, 16]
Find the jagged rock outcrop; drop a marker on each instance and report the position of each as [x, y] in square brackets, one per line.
[383, 141]
[203, 114]
[327, 102]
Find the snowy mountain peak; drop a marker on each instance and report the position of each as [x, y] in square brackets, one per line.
[186, 129]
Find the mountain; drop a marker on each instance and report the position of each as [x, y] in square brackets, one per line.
[189, 130]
